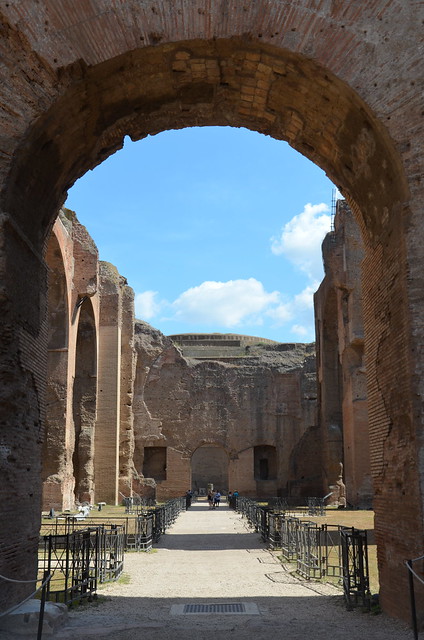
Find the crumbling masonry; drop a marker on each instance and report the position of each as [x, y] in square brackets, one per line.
[131, 411]
[341, 82]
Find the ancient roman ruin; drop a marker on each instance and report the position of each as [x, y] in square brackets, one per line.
[342, 83]
[131, 411]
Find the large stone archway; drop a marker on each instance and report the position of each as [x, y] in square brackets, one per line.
[338, 82]
[209, 465]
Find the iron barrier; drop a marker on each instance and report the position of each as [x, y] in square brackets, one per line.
[416, 581]
[80, 556]
[79, 560]
[320, 551]
[140, 532]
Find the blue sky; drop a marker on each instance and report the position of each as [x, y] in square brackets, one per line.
[216, 229]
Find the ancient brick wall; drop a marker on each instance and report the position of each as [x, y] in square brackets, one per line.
[88, 445]
[239, 405]
[343, 414]
[113, 437]
[72, 320]
[341, 82]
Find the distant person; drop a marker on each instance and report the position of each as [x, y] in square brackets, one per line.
[229, 494]
[216, 499]
[210, 499]
[188, 499]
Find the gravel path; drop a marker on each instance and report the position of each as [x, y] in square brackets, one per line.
[211, 557]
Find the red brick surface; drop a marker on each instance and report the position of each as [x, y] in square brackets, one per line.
[342, 82]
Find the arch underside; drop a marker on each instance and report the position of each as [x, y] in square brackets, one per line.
[198, 83]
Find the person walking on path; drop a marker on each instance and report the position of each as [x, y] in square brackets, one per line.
[210, 499]
[188, 499]
[217, 499]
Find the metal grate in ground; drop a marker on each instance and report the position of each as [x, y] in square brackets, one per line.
[234, 608]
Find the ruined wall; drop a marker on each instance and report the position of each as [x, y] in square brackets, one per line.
[88, 444]
[342, 82]
[72, 319]
[343, 415]
[266, 399]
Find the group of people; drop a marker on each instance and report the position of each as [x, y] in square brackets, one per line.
[214, 498]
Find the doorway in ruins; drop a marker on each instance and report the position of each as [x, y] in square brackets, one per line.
[297, 87]
[209, 465]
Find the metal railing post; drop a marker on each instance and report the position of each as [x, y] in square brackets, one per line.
[412, 599]
[42, 605]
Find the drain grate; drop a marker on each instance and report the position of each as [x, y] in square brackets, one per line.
[237, 608]
[231, 607]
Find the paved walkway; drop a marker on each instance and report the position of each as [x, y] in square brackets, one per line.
[211, 557]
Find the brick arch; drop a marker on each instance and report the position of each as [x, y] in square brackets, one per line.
[57, 374]
[209, 464]
[84, 403]
[337, 81]
[219, 82]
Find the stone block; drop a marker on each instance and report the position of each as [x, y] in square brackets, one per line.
[24, 620]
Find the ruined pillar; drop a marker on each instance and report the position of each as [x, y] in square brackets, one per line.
[350, 339]
[340, 345]
[68, 453]
[329, 391]
[109, 385]
[23, 369]
[128, 368]
[57, 473]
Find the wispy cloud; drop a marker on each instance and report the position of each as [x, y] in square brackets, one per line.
[300, 330]
[233, 304]
[227, 304]
[300, 239]
[147, 305]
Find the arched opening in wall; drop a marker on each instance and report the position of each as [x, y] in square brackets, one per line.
[154, 463]
[241, 82]
[84, 403]
[218, 270]
[209, 465]
[265, 462]
[54, 447]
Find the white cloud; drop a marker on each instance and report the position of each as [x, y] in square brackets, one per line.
[301, 238]
[300, 330]
[227, 304]
[281, 314]
[298, 309]
[232, 304]
[305, 299]
[146, 305]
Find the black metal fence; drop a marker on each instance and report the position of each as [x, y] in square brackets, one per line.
[136, 504]
[415, 568]
[80, 560]
[140, 532]
[82, 554]
[320, 551]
